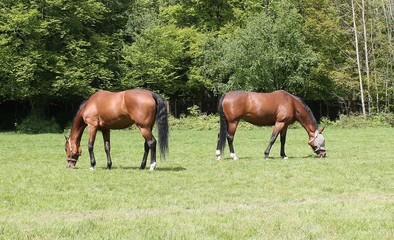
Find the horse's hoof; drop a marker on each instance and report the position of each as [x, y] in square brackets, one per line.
[218, 157]
[152, 167]
[92, 168]
[233, 156]
[285, 158]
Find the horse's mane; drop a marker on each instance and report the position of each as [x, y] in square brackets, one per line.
[308, 110]
[80, 107]
[82, 104]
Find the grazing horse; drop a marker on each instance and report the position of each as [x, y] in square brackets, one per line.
[106, 110]
[278, 109]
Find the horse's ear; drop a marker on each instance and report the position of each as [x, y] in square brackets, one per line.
[321, 130]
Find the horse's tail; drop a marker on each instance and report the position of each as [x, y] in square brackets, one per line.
[162, 124]
[223, 127]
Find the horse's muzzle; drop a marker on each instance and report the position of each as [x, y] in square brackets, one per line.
[70, 164]
[321, 154]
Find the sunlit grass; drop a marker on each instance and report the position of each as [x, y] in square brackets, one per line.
[348, 195]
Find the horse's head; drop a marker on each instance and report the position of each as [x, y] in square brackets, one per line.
[72, 152]
[318, 143]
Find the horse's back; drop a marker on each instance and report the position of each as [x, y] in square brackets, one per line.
[106, 109]
[139, 102]
[258, 108]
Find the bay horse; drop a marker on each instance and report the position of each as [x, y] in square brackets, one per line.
[278, 109]
[106, 110]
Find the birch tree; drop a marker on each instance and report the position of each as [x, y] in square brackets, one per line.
[358, 58]
[366, 56]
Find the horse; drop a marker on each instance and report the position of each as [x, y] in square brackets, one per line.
[278, 109]
[106, 110]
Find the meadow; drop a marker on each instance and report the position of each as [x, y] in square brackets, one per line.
[347, 195]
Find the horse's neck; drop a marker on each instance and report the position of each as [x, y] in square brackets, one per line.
[77, 129]
[305, 119]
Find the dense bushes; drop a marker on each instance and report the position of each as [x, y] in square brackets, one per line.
[207, 122]
[34, 124]
[344, 121]
[360, 121]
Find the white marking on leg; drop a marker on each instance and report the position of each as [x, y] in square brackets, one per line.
[285, 158]
[92, 168]
[233, 156]
[152, 166]
[218, 157]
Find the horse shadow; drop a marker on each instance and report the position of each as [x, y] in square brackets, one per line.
[273, 158]
[164, 169]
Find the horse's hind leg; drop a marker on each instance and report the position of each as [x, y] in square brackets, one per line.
[107, 147]
[282, 143]
[232, 127]
[145, 157]
[275, 132]
[150, 144]
[218, 152]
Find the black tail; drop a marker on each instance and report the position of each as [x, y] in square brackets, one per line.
[162, 124]
[223, 127]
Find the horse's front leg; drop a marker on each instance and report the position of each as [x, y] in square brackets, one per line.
[107, 147]
[92, 137]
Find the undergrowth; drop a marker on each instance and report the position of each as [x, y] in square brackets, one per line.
[208, 122]
[211, 122]
[35, 124]
[361, 121]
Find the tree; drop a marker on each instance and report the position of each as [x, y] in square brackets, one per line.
[270, 53]
[164, 59]
[377, 68]
[358, 58]
[59, 48]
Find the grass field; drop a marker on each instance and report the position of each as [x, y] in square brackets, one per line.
[348, 195]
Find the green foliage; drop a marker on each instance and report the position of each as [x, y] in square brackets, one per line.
[163, 59]
[269, 53]
[34, 124]
[59, 48]
[360, 121]
[200, 122]
[189, 49]
[193, 111]
[197, 122]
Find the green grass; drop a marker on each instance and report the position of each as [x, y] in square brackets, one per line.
[348, 195]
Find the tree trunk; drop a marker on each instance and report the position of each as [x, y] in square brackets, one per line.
[358, 59]
[375, 75]
[389, 17]
[366, 57]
